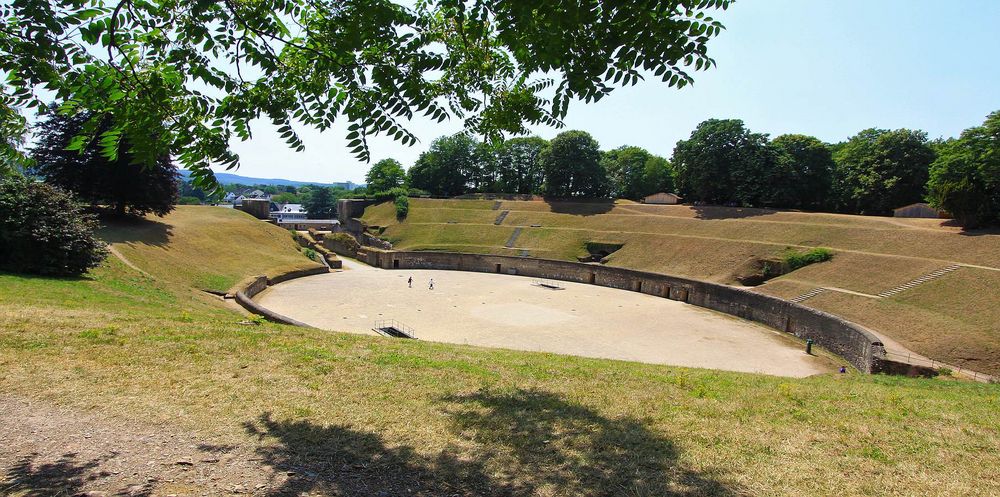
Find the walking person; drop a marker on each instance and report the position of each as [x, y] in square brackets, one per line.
[432, 284]
[409, 282]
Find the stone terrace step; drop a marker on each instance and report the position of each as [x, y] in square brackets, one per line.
[513, 238]
[501, 217]
[919, 281]
[808, 295]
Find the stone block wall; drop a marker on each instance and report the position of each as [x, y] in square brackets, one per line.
[848, 340]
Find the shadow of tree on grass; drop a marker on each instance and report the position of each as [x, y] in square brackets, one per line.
[523, 443]
[547, 444]
[709, 212]
[580, 207]
[136, 230]
[337, 460]
[65, 477]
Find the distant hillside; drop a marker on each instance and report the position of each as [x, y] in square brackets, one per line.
[229, 179]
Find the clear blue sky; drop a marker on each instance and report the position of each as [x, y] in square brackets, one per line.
[827, 68]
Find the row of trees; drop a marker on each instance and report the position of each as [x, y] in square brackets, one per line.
[571, 165]
[874, 171]
[725, 163]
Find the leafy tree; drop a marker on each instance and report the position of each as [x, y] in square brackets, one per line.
[658, 176]
[185, 78]
[811, 164]
[189, 201]
[286, 198]
[724, 162]
[635, 173]
[321, 203]
[965, 177]
[93, 177]
[44, 231]
[519, 169]
[384, 175]
[450, 167]
[187, 189]
[878, 170]
[572, 166]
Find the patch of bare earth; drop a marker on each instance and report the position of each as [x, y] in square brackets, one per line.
[48, 450]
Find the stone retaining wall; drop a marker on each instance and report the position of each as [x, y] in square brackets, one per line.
[245, 295]
[848, 340]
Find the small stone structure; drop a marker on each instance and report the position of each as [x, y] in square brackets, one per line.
[662, 198]
[919, 209]
[258, 208]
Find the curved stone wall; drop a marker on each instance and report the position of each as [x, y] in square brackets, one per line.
[245, 295]
[852, 342]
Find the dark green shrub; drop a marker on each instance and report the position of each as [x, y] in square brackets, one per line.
[390, 194]
[44, 231]
[797, 260]
[402, 207]
[311, 254]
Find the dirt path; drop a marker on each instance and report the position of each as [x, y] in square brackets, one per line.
[48, 450]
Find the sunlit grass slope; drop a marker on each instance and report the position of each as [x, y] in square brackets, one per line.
[437, 419]
[208, 248]
[954, 319]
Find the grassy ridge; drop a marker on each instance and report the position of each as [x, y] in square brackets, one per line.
[207, 248]
[482, 421]
[956, 320]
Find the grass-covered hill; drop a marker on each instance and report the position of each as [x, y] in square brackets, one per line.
[955, 318]
[206, 248]
[342, 414]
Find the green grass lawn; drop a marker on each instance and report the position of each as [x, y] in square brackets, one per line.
[447, 419]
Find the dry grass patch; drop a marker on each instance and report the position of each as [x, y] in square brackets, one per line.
[431, 419]
[863, 273]
[208, 248]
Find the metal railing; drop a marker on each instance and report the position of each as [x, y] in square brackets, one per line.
[393, 328]
[931, 363]
[552, 285]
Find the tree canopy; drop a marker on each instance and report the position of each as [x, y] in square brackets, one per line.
[810, 162]
[93, 177]
[185, 78]
[385, 175]
[450, 167]
[572, 166]
[965, 177]
[518, 167]
[321, 203]
[44, 231]
[724, 162]
[635, 173]
[879, 170]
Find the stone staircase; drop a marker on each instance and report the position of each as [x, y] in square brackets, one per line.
[513, 238]
[501, 217]
[496, 205]
[808, 295]
[919, 281]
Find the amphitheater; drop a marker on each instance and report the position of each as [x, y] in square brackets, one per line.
[517, 312]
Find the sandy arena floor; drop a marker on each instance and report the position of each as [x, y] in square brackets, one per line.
[504, 311]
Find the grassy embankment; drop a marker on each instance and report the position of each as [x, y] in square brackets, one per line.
[437, 418]
[955, 318]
